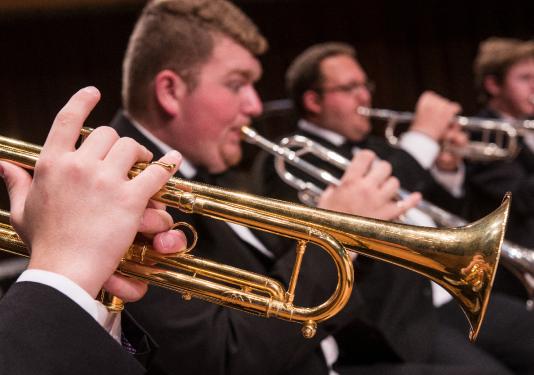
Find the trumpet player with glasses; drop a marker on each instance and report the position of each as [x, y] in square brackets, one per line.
[416, 321]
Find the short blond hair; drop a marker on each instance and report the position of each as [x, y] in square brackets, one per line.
[179, 35]
[495, 57]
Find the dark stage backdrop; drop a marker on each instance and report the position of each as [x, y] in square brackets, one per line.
[406, 47]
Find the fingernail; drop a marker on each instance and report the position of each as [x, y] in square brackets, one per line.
[91, 90]
[166, 241]
[174, 153]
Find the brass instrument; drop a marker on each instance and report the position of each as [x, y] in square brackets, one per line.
[462, 260]
[498, 137]
[519, 260]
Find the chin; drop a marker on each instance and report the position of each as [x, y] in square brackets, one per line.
[231, 156]
[233, 160]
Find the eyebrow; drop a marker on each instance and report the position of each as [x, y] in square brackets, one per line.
[245, 73]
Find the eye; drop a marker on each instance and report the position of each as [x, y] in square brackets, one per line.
[526, 77]
[235, 85]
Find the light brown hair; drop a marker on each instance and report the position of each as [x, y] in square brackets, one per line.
[179, 35]
[495, 57]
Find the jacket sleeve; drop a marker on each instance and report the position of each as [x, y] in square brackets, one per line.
[44, 332]
[493, 180]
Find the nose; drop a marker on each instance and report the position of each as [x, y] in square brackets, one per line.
[251, 102]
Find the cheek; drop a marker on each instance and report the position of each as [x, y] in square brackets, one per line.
[225, 107]
[338, 108]
[518, 92]
[211, 110]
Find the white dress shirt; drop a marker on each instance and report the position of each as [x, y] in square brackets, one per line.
[420, 146]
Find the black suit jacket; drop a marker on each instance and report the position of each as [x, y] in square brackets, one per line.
[488, 182]
[44, 332]
[197, 337]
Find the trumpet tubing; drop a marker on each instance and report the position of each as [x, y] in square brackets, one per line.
[498, 142]
[462, 260]
[519, 260]
[217, 283]
[472, 259]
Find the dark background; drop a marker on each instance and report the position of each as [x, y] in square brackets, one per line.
[48, 52]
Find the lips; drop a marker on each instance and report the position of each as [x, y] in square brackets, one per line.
[234, 134]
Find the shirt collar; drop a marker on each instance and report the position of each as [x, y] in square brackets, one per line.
[186, 168]
[334, 138]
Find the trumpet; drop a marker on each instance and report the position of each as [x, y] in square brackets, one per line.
[498, 137]
[519, 260]
[462, 260]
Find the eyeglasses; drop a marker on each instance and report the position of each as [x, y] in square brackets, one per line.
[352, 88]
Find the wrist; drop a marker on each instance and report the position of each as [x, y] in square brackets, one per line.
[80, 274]
[428, 132]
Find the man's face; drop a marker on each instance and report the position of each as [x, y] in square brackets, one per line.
[222, 102]
[343, 90]
[516, 94]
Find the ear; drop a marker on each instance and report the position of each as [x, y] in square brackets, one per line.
[169, 89]
[312, 102]
[491, 86]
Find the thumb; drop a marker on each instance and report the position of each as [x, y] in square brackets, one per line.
[18, 183]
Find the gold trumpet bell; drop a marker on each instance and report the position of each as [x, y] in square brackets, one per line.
[467, 262]
[462, 260]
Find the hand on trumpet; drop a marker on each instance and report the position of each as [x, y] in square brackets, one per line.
[368, 189]
[434, 117]
[81, 212]
[454, 140]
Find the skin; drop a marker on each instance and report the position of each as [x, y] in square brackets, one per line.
[367, 177]
[81, 212]
[204, 124]
[514, 97]
[337, 110]
[434, 116]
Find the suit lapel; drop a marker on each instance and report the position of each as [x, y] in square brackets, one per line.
[124, 127]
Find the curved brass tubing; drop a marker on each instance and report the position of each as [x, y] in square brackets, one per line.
[462, 260]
